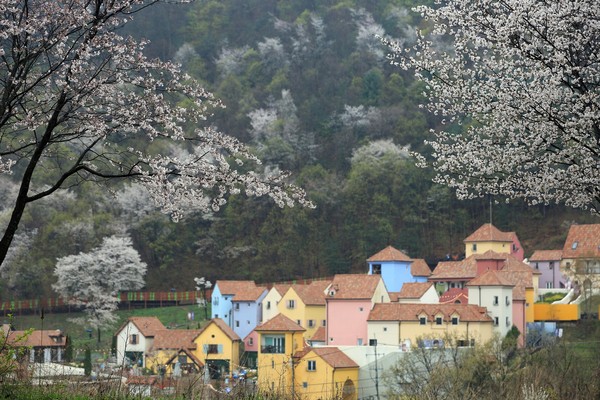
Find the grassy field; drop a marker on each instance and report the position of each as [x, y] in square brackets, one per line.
[82, 336]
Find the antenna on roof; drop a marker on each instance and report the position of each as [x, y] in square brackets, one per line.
[491, 209]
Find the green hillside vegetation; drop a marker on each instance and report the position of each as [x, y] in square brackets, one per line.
[307, 86]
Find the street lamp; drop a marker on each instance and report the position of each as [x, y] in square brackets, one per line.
[202, 285]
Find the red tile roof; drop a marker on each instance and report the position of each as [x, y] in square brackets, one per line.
[583, 241]
[353, 286]
[146, 325]
[279, 323]
[175, 338]
[389, 254]
[233, 287]
[546, 255]
[419, 267]
[455, 294]
[490, 278]
[489, 233]
[414, 290]
[45, 338]
[334, 357]
[312, 294]
[412, 312]
[320, 335]
[455, 270]
[249, 293]
[224, 327]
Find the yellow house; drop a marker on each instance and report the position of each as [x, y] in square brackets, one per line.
[326, 373]
[270, 302]
[173, 346]
[488, 237]
[218, 347]
[279, 339]
[403, 324]
[305, 305]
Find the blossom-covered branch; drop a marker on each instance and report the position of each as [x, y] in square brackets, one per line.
[515, 84]
[82, 101]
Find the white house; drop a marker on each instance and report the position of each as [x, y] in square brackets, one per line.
[135, 338]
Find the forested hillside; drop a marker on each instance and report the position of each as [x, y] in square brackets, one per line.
[307, 85]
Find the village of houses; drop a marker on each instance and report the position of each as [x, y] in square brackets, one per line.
[334, 338]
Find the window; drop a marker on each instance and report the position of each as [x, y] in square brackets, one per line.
[304, 385]
[133, 339]
[250, 341]
[359, 342]
[496, 300]
[438, 320]
[549, 285]
[268, 305]
[360, 309]
[507, 322]
[299, 322]
[237, 324]
[496, 321]
[311, 323]
[385, 328]
[376, 269]
[237, 306]
[273, 345]
[324, 322]
[574, 246]
[372, 342]
[474, 247]
[551, 265]
[454, 320]
[212, 349]
[311, 365]
[422, 320]
[537, 266]
[507, 300]
[291, 304]
[514, 247]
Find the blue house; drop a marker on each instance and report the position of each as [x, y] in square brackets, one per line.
[239, 304]
[396, 268]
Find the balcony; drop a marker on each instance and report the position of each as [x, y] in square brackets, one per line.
[272, 349]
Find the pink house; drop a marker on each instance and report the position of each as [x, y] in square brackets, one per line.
[349, 299]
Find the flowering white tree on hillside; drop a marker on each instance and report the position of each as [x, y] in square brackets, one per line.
[80, 102]
[522, 78]
[93, 280]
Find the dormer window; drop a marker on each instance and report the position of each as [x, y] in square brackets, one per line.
[574, 246]
[438, 320]
[455, 320]
[376, 269]
[422, 320]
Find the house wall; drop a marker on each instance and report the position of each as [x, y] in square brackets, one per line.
[484, 296]
[298, 312]
[316, 313]
[482, 247]
[274, 370]
[269, 305]
[398, 332]
[343, 315]
[123, 345]
[247, 315]
[393, 273]
[550, 277]
[229, 350]
[221, 306]
[324, 382]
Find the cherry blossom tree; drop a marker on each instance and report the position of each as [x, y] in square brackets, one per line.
[93, 280]
[79, 102]
[515, 84]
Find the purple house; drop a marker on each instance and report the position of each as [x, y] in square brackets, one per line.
[547, 262]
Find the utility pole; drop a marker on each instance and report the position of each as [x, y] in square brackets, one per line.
[376, 373]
